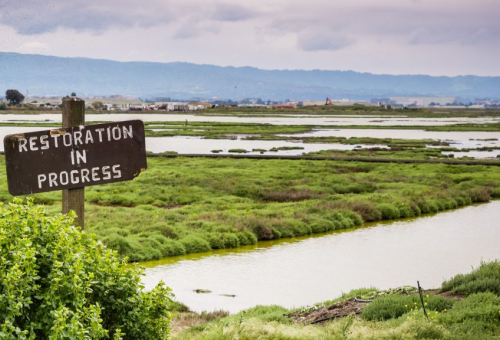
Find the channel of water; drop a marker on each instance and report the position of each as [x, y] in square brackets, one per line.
[299, 272]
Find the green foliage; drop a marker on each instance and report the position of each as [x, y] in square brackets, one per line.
[266, 313]
[57, 282]
[388, 211]
[194, 244]
[246, 238]
[149, 217]
[483, 307]
[14, 96]
[3, 106]
[98, 105]
[486, 278]
[223, 240]
[393, 306]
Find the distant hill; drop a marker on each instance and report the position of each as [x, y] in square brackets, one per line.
[46, 75]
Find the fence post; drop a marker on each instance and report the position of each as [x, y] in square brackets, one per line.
[73, 109]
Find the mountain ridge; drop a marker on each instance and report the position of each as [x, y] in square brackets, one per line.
[49, 75]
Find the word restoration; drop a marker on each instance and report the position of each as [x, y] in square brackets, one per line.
[74, 157]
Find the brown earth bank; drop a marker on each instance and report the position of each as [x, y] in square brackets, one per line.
[348, 307]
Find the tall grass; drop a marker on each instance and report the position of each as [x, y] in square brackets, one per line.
[485, 278]
[186, 205]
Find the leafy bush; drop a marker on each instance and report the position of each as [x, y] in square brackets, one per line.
[368, 210]
[246, 238]
[486, 278]
[484, 307]
[393, 306]
[405, 210]
[389, 211]
[57, 282]
[223, 240]
[194, 244]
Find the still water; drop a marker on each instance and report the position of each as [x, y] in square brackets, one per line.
[457, 139]
[280, 120]
[304, 271]
[197, 145]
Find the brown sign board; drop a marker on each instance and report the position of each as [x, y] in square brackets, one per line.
[75, 157]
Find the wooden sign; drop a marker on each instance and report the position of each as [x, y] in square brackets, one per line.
[74, 157]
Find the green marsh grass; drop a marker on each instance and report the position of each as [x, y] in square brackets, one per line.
[187, 205]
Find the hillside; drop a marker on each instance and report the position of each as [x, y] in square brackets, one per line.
[46, 75]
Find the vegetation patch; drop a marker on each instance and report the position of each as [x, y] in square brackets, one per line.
[57, 282]
[185, 205]
[485, 278]
[394, 314]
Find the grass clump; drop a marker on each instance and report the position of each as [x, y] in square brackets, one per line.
[484, 307]
[393, 306]
[194, 244]
[485, 278]
[237, 151]
[286, 148]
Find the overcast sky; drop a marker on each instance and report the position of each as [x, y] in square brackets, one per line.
[436, 37]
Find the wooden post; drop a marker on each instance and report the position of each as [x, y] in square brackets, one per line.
[74, 199]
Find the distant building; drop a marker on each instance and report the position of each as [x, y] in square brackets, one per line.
[253, 106]
[382, 101]
[423, 101]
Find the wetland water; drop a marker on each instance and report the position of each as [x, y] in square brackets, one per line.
[306, 271]
[279, 120]
[187, 145]
[196, 145]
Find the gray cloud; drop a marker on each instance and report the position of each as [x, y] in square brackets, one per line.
[29, 17]
[312, 40]
[380, 35]
[232, 12]
[414, 22]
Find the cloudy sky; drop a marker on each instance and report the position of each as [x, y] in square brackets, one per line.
[436, 37]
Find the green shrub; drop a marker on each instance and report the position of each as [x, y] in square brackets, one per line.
[427, 331]
[172, 248]
[57, 282]
[299, 228]
[389, 211]
[322, 225]
[405, 210]
[119, 243]
[495, 193]
[223, 240]
[195, 244]
[367, 210]
[486, 278]
[479, 195]
[246, 238]
[267, 313]
[484, 307]
[165, 230]
[393, 306]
